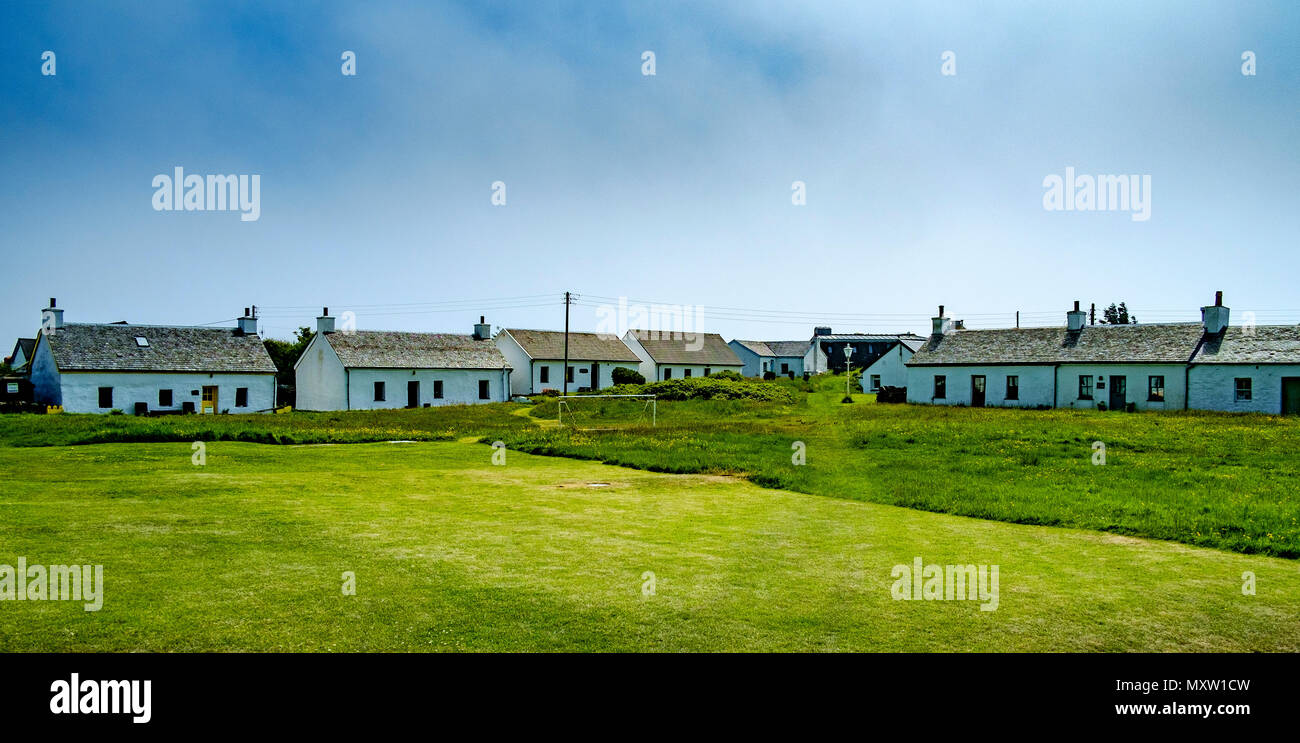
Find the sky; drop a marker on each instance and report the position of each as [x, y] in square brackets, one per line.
[678, 188]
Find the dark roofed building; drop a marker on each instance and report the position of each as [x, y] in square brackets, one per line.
[780, 357]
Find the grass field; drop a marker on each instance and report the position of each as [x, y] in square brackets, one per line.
[452, 552]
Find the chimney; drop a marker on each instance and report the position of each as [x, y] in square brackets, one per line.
[821, 330]
[248, 323]
[937, 323]
[482, 330]
[52, 317]
[1215, 316]
[325, 323]
[1075, 318]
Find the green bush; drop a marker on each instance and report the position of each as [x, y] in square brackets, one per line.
[734, 376]
[623, 375]
[709, 388]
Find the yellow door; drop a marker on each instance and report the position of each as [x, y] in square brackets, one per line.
[209, 400]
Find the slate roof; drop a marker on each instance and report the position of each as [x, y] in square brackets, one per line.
[666, 347]
[1264, 344]
[549, 344]
[94, 347]
[1138, 344]
[392, 349]
[865, 337]
[758, 347]
[788, 348]
[913, 344]
[27, 345]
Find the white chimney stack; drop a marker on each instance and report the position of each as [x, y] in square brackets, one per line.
[52, 317]
[1215, 317]
[482, 329]
[937, 323]
[1076, 318]
[325, 323]
[248, 323]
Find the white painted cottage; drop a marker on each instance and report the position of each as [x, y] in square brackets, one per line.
[677, 355]
[890, 368]
[537, 358]
[97, 368]
[376, 369]
[782, 358]
[1173, 366]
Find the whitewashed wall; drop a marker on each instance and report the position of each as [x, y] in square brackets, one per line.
[1136, 374]
[81, 390]
[754, 364]
[459, 386]
[319, 377]
[45, 375]
[1035, 385]
[1213, 386]
[697, 370]
[581, 374]
[891, 367]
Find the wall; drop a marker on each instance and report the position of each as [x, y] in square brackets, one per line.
[46, 388]
[1035, 385]
[1136, 374]
[1213, 386]
[891, 367]
[320, 378]
[460, 386]
[697, 370]
[581, 374]
[753, 363]
[80, 390]
[519, 361]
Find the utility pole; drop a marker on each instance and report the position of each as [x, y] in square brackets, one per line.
[566, 343]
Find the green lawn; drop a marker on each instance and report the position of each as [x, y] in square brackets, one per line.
[453, 553]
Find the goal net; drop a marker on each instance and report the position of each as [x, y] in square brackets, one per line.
[597, 412]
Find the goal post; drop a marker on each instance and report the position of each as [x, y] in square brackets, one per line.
[575, 410]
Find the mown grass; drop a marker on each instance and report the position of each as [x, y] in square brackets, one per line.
[247, 553]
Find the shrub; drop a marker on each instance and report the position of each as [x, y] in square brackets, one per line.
[728, 374]
[709, 388]
[623, 375]
[769, 376]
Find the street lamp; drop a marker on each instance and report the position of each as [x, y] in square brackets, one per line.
[848, 371]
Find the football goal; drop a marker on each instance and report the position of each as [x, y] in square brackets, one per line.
[599, 412]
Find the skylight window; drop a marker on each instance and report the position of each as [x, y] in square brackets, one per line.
[141, 341]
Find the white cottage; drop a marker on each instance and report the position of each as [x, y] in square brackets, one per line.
[537, 358]
[782, 358]
[97, 368]
[890, 368]
[677, 355]
[1174, 366]
[374, 369]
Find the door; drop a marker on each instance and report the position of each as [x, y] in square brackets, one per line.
[1290, 395]
[413, 394]
[1118, 393]
[595, 376]
[209, 404]
[977, 391]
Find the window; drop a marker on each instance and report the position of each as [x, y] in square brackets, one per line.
[141, 341]
[12, 387]
[668, 373]
[707, 371]
[437, 388]
[483, 390]
[545, 374]
[379, 392]
[1155, 389]
[686, 372]
[1013, 387]
[875, 380]
[785, 368]
[164, 398]
[241, 397]
[940, 386]
[105, 397]
[568, 375]
[1242, 384]
[1085, 386]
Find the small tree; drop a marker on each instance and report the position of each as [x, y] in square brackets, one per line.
[1117, 315]
[285, 354]
[623, 375]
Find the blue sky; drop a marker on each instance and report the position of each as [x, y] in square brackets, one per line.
[375, 189]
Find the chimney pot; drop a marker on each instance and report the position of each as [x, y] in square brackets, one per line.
[325, 323]
[1218, 299]
[53, 303]
[1076, 305]
[1076, 318]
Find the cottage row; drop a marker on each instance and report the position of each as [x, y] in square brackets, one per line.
[158, 369]
[153, 369]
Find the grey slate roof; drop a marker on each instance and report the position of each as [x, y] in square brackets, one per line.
[788, 348]
[27, 345]
[94, 347]
[693, 348]
[1141, 344]
[1265, 344]
[392, 349]
[549, 344]
[758, 347]
[913, 344]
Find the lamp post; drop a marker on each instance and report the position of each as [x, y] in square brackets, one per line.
[848, 371]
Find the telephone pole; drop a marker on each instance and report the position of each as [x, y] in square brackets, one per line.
[566, 343]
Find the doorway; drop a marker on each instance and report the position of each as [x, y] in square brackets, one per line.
[209, 404]
[1290, 395]
[1118, 392]
[977, 391]
[413, 394]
